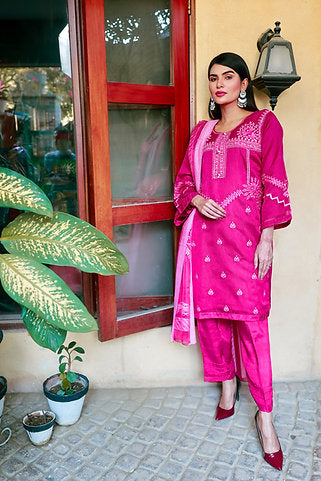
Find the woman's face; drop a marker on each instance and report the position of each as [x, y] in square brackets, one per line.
[225, 84]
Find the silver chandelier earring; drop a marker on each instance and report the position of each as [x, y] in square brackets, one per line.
[212, 104]
[242, 100]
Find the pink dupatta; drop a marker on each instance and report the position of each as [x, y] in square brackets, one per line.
[183, 328]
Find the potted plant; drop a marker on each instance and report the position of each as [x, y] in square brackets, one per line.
[39, 426]
[66, 390]
[39, 237]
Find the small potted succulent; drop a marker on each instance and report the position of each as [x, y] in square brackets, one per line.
[66, 390]
[39, 426]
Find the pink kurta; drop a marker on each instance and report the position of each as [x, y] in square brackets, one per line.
[243, 170]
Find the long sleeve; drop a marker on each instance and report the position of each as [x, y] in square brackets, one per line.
[276, 210]
[184, 189]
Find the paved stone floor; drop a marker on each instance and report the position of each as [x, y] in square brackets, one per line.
[163, 434]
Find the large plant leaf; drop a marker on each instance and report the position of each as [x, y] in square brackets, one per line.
[38, 288]
[21, 193]
[63, 240]
[42, 332]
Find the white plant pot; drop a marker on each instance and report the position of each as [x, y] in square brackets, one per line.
[1, 405]
[2, 393]
[67, 407]
[39, 435]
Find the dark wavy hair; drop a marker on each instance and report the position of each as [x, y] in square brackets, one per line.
[236, 63]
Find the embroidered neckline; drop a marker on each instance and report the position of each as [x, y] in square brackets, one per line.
[238, 125]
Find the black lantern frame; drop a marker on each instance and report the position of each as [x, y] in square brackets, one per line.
[275, 71]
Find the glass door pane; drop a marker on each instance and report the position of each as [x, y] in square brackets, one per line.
[36, 109]
[137, 35]
[149, 284]
[140, 154]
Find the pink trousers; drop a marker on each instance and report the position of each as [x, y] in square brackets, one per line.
[223, 342]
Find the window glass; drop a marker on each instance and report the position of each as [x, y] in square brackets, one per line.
[139, 142]
[137, 37]
[36, 109]
[149, 284]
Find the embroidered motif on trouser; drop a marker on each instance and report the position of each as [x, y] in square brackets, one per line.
[217, 342]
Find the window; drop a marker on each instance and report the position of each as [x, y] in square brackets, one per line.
[36, 113]
[137, 130]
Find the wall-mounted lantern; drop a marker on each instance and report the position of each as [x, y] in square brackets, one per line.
[275, 70]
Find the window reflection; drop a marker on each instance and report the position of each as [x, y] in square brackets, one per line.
[141, 166]
[149, 284]
[36, 110]
[126, 30]
[37, 131]
[137, 38]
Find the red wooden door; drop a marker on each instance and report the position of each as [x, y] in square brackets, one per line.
[137, 116]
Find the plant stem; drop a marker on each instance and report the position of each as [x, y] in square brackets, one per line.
[69, 361]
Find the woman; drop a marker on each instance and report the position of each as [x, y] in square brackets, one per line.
[231, 193]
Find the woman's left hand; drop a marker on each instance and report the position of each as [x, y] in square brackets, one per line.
[264, 252]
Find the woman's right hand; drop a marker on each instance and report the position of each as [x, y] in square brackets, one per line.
[208, 207]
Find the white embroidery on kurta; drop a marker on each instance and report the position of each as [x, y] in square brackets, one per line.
[210, 292]
[218, 149]
[248, 134]
[254, 276]
[219, 241]
[249, 243]
[181, 189]
[255, 311]
[198, 309]
[253, 189]
[278, 200]
[239, 292]
[226, 308]
[223, 275]
[236, 259]
[204, 226]
[234, 195]
[232, 225]
[196, 276]
[207, 259]
[274, 181]
[248, 165]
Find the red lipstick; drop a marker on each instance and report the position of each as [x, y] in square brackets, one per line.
[220, 93]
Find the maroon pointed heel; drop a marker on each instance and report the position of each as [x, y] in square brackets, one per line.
[226, 413]
[273, 459]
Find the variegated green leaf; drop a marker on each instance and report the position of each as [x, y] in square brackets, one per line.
[21, 193]
[38, 288]
[63, 240]
[42, 332]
